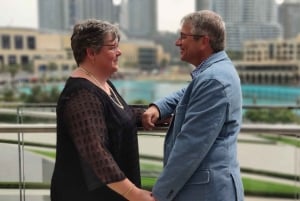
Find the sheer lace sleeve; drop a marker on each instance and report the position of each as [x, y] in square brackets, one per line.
[85, 119]
[138, 111]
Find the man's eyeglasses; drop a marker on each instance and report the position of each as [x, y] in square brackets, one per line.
[184, 36]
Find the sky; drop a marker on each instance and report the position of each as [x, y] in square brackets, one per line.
[23, 13]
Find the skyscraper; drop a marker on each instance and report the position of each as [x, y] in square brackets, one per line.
[99, 9]
[203, 4]
[124, 15]
[289, 18]
[247, 20]
[142, 18]
[65, 13]
[50, 20]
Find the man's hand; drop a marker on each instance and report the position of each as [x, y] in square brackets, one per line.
[150, 117]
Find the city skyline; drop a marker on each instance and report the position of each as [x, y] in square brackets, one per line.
[21, 13]
[245, 20]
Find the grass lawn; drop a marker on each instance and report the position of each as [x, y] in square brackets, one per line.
[269, 189]
[251, 186]
[286, 140]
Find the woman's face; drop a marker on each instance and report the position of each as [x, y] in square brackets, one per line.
[107, 58]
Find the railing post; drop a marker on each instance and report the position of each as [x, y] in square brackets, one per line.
[21, 157]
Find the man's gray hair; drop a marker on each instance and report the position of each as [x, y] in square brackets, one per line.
[206, 22]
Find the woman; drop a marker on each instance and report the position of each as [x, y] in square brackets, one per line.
[97, 150]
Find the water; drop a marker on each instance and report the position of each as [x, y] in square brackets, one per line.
[252, 94]
[148, 91]
[264, 94]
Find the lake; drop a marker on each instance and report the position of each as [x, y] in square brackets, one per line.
[252, 94]
[148, 91]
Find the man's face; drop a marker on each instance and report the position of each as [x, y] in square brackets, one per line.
[190, 48]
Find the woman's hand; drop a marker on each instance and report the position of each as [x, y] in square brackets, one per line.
[138, 194]
[129, 191]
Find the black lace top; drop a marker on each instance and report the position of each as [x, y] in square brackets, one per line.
[96, 143]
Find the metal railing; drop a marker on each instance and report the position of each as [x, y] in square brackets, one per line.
[281, 129]
[22, 129]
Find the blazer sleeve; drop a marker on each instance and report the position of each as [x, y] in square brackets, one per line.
[168, 104]
[202, 119]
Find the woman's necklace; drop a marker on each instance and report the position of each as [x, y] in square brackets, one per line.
[115, 99]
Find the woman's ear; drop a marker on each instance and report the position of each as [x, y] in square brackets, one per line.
[90, 53]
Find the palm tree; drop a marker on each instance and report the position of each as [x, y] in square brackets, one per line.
[52, 69]
[13, 69]
[28, 67]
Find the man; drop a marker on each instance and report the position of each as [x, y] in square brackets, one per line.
[200, 153]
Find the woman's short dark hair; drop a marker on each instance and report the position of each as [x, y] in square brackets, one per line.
[91, 33]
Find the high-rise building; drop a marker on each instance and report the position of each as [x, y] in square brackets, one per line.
[142, 18]
[247, 20]
[131, 15]
[124, 15]
[50, 20]
[289, 17]
[99, 9]
[65, 13]
[230, 10]
[203, 4]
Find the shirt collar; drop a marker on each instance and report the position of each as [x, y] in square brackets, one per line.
[197, 70]
[207, 62]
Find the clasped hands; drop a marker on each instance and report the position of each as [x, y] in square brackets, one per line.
[150, 118]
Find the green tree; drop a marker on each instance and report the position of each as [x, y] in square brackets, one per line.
[163, 63]
[13, 69]
[52, 66]
[9, 95]
[273, 115]
[235, 55]
[28, 67]
[40, 95]
[53, 95]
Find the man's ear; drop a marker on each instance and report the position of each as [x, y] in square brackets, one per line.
[205, 40]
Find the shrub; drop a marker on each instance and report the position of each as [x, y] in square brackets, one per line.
[273, 115]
